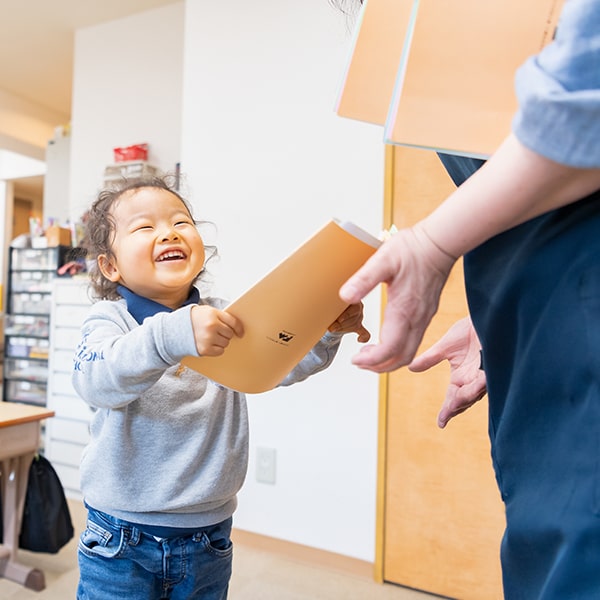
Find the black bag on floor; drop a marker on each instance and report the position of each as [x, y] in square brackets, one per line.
[47, 524]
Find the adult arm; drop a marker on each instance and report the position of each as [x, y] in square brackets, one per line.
[515, 185]
[551, 159]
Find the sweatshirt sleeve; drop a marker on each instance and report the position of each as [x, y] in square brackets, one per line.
[318, 359]
[116, 362]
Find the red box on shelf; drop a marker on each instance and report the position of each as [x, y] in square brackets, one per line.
[135, 152]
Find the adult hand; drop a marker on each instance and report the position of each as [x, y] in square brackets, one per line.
[415, 271]
[461, 348]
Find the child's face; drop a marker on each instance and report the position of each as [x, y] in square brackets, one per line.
[157, 250]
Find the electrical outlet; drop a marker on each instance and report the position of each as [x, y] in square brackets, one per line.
[265, 465]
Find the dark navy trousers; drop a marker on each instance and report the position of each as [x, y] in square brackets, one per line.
[534, 298]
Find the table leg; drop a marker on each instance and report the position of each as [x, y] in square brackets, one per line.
[14, 473]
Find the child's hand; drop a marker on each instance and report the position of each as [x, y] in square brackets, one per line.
[351, 320]
[213, 329]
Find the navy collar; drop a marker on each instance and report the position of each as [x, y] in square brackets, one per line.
[140, 307]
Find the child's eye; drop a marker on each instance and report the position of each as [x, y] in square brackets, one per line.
[143, 227]
[182, 223]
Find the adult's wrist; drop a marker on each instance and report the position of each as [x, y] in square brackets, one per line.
[437, 254]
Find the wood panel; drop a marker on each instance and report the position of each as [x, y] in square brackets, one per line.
[22, 210]
[443, 514]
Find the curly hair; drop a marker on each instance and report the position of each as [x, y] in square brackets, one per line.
[100, 228]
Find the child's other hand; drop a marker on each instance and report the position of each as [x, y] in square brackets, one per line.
[213, 329]
[351, 320]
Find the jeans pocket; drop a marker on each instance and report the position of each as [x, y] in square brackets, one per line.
[216, 539]
[97, 540]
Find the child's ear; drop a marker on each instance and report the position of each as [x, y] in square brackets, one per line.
[108, 268]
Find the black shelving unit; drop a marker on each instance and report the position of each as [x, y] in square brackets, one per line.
[27, 322]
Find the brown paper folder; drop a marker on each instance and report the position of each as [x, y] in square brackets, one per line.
[370, 76]
[288, 311]
[455, 85]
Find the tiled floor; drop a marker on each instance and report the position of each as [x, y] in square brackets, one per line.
[257, 575]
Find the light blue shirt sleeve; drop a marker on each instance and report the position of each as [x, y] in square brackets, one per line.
[559, 91]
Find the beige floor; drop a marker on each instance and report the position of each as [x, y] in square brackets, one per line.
[258, 574]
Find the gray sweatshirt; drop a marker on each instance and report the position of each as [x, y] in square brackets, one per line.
[168, 447]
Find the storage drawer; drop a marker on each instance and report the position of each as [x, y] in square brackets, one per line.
[62, 362]
[67, 315]
[72, 291]
[29, 370]
[31, 303]
[30, 392]
[76, 432]
[31, 281]
[34, 259]
[61, 384]
[65, 453]
[66, 338]
[68, 475]
[72, 408]
[22, 347]
[27, 325]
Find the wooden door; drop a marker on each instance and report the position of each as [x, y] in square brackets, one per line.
[21, 212]
[443, 517]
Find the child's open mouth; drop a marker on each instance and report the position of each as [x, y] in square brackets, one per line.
[171, 255]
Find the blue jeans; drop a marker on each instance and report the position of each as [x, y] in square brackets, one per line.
[117, 560]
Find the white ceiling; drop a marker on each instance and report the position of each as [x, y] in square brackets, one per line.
[36, 43]
[36, 52]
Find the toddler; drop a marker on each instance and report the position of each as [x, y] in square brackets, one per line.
[168, 448]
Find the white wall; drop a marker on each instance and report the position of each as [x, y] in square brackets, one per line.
[269, 162]
[127, 90]
[56, 182]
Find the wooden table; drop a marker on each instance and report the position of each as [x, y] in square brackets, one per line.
[20, 426]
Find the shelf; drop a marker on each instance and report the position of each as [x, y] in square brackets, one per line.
[27, 322]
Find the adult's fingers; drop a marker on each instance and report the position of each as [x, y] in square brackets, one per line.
[378, 269]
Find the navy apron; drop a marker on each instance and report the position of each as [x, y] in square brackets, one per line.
[534, 299]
